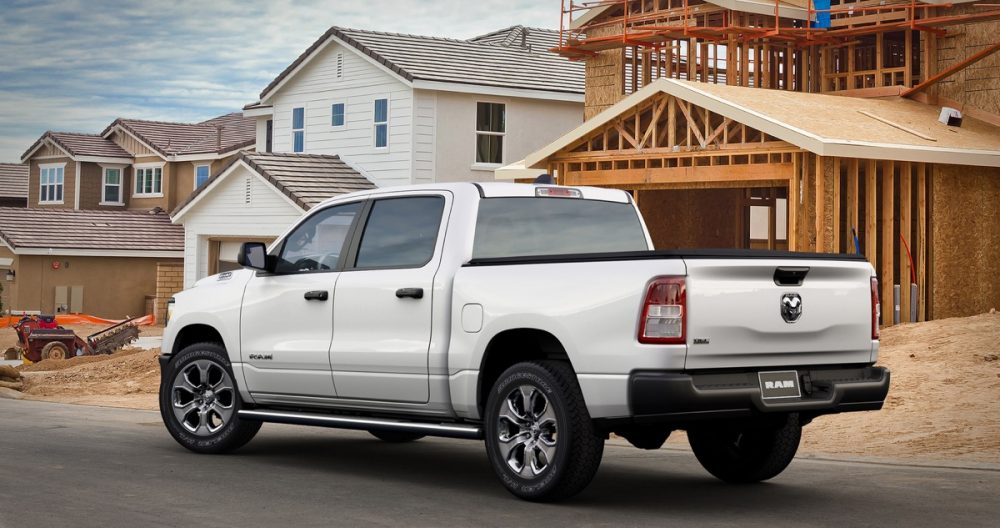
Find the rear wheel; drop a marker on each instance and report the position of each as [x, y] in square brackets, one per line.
[55, 350]
[539, 436]
[747, 452]
[396, 437]
[199, 401]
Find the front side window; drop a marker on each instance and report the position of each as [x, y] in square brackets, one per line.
[112, 186]
[51, 184]
[148, 180]
[401, 232]
[337, 110]
[201, 175]
[298, 129]
[316, 244]
[522, 227]
[491, 126]
[381, 123]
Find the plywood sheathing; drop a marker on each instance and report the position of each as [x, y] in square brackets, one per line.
[979, 84]
[605, 77]
[965, 226]
[693, 218]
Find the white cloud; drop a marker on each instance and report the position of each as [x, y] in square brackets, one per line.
[76, 65]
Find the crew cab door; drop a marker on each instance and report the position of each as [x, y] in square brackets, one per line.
[286, 324]
[383, 303]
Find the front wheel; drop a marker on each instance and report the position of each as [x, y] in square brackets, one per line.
[539, 436]
[199, 401]
[747, 452]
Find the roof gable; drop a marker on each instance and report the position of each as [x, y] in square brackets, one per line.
[464, 62]
[303, 179]
[827, 125]
[218, 135]
[77, 145]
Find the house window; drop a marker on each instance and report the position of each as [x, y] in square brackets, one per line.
[381, 123]
[337, 111]
[490, 128]
[51, 184]
[298, 129]
[148, 181]
[112, 193]
[201, 175]
[268, 135]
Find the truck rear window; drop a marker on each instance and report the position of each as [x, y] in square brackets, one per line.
[521, 227]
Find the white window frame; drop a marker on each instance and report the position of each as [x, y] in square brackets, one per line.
[303, 129]
[136, 179]
[375, 124]
[42, 167]
[196, 167]
[104, 184]
[335, 103]
[479, 165]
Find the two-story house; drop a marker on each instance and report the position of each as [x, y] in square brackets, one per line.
[95, 236]
[389, 109]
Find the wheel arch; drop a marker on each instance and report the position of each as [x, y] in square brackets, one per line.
[515, 346]
[196, 333]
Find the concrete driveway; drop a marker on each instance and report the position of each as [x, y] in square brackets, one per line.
[66, 465]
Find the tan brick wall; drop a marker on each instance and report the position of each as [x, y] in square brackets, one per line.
[169, 280]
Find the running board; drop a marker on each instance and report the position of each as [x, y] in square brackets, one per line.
[469, 432]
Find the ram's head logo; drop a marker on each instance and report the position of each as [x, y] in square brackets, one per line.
[791, 307]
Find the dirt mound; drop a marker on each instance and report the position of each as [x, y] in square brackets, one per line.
[60, 364]
[127, 379]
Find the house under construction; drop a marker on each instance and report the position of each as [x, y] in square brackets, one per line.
[846, 152]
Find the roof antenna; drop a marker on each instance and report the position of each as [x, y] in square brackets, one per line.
[545, 179]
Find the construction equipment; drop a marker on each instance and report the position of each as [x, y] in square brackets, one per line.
[40, 337]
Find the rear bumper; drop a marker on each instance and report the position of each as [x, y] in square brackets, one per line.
[658, 396]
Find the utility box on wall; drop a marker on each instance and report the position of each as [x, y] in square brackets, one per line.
[68, 299]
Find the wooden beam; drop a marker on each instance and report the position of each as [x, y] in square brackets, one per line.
[772, 222]
[972, 59]
[905, 230]
[792, 211]
[691, 125]
[871, 213]
[820, 209]
[671, 121]
[921, 249]
[852, 204]
[702, 173]
[893, 124]
[836, 205]
[888, 237]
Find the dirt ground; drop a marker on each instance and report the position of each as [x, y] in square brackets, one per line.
[942, 404]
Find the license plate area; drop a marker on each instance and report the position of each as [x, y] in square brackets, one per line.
[780, 384]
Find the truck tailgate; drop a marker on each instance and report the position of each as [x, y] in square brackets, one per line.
[735, 318]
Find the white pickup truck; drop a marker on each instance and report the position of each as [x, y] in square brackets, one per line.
[536, 317]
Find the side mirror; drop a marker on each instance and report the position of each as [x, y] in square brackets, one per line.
[253, 255]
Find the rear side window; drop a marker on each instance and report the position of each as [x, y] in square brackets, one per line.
[521, 227]
[401, 232]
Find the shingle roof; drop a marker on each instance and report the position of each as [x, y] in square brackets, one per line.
[89, 229]
[307, 179]
[539, 39]
[13, 180]
[415, 57]
[81, 145]
[221, 134]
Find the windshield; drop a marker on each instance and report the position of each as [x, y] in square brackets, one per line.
[519, 227]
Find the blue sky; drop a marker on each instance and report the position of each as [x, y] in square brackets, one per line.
[76, 65]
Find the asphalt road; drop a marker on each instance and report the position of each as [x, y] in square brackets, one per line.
[66, 465]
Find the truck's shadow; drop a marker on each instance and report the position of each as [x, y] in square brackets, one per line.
[669, 483]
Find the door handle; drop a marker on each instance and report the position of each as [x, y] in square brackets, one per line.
[317, 295]
[415, 293]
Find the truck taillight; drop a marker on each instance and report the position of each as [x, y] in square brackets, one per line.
[876, 308]
[664, 312]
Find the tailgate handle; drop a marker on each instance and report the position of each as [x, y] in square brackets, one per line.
[790, 276]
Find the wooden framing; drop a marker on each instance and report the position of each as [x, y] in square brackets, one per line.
[886, 277]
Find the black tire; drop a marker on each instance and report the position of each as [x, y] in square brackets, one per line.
[232, 433]
[747, 452]
[577, 443]
[55, 350]
[396, 437]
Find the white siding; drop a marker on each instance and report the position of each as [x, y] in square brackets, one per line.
[530, 125]
[316, 88]
[223, 212]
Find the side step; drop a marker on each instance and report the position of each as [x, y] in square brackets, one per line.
[469, 432]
